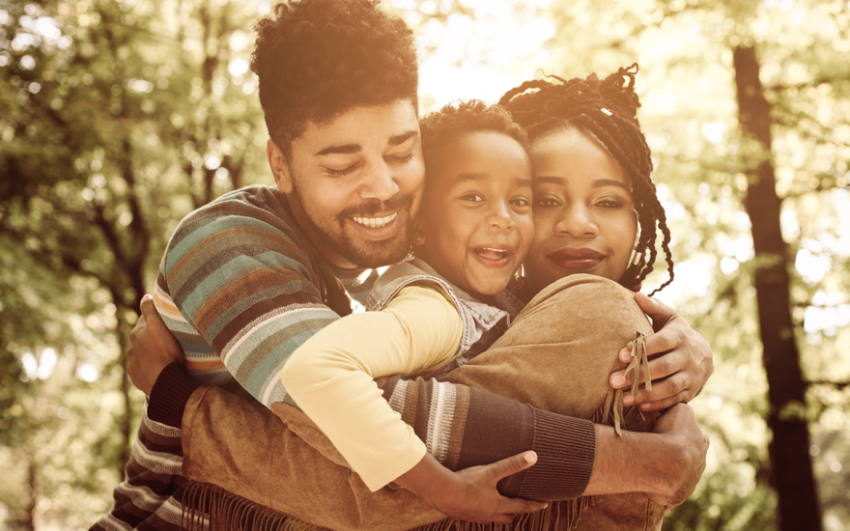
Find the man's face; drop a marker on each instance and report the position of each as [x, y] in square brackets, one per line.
[355, 183]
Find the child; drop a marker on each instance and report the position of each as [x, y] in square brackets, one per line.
[436, 312]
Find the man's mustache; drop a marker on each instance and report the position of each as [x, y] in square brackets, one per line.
[370, 207]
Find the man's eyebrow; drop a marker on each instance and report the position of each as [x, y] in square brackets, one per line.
[340, 149]
[347, 149]
[402, 138]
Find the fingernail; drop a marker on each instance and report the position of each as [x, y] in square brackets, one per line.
[147, 296]
[628, 400]
[530, 457]
[618, 380]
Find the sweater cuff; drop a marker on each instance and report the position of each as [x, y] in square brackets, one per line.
[170, 394]
[566, 452]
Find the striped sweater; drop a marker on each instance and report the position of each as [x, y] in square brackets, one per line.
[241, 287]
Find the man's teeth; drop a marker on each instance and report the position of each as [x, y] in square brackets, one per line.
[374, 223]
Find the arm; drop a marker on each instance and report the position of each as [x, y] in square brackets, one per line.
[680, 373]
[666, 463]
[331, 378]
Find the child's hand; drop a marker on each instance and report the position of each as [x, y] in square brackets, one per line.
[470, 494]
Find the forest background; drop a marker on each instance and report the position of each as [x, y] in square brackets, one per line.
[117, 118]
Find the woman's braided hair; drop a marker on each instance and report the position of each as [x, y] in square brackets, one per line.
[607, 111]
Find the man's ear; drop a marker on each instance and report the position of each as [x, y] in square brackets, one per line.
[279, 167]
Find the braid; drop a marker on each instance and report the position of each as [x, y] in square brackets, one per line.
[606, 110]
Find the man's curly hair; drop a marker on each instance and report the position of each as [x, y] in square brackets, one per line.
[316, 59]
[441, 128]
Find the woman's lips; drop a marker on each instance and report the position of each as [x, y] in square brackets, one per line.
[575, 259]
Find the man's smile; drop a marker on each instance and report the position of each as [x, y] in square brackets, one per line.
[374, 223]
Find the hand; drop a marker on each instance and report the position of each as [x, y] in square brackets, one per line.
[470, 494]
[153, 348]
[684, 462]
[680, 373]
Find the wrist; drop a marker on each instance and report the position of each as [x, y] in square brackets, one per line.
[170, 394]
[631, 462]
[428, 479]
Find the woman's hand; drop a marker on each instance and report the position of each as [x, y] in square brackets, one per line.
[680, 373]
[470, 494]
[152, 349]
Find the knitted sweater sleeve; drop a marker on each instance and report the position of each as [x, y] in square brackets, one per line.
[240, 290]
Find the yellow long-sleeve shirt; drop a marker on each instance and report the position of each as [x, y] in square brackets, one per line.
[331, 376]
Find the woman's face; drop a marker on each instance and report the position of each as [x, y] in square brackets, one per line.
[584, 214]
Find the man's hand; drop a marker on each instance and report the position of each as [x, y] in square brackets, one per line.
[678, 375]
[470, 494]
[153, 348]
[680, 471]
[665, 464]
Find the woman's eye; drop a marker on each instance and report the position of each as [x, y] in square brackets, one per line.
[609, 203]
[546, 202]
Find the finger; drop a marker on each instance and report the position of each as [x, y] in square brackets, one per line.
[511, 465]
[662, 389]
[512, 506]
[655, 309]
[661, 405]
[148, 308]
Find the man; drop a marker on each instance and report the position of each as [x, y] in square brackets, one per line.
[248, 278]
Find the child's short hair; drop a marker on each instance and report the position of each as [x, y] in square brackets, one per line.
[607, 111]
[441, 127]
[316, 59]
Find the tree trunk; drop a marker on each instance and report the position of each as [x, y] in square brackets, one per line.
[791, 465]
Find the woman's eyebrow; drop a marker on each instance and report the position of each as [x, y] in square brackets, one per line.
[551, 180]
[601, 183]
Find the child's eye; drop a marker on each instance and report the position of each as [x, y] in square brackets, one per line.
[520, 202]
[475, 198]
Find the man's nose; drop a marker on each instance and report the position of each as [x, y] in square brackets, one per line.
[379, 183]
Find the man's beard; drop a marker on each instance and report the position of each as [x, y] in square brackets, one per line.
[368, 254]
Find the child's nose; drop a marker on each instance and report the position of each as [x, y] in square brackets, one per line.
[500, 217]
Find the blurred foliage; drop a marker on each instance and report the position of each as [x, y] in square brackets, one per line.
[119, 117]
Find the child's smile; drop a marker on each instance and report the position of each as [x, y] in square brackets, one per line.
[476, 221]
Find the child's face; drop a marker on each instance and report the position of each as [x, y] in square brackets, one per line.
[584, 214]
[476, 220]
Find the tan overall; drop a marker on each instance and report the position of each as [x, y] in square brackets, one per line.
[557, 355]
